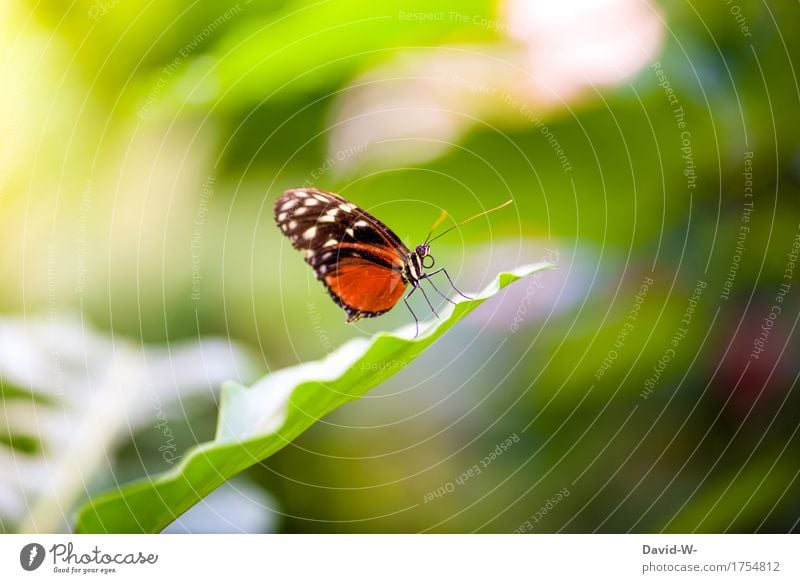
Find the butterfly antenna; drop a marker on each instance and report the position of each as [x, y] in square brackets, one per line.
[436, 223]
[505, 204]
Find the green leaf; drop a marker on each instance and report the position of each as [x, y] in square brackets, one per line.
[256, 422]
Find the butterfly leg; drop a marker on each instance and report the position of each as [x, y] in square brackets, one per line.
[430, 305]
[447, 275]
[430, 281]
[416, 321]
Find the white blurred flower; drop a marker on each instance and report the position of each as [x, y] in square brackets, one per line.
[411, 109]
[581, 43]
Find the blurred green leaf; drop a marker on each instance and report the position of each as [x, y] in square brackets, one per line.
[312, 48]
[738, 499]
[254, 423]
[27, 444]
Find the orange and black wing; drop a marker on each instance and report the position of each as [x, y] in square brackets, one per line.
[358, 258]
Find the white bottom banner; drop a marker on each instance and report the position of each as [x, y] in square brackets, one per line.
[355, 558]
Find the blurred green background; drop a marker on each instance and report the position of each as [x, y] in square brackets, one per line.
[653, 152]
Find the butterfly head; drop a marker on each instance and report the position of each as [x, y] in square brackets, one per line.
[423, 252]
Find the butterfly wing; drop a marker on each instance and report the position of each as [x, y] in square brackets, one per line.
[363, 288]
[358, 258]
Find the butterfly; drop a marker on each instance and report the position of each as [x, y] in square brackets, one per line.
[365, 267]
